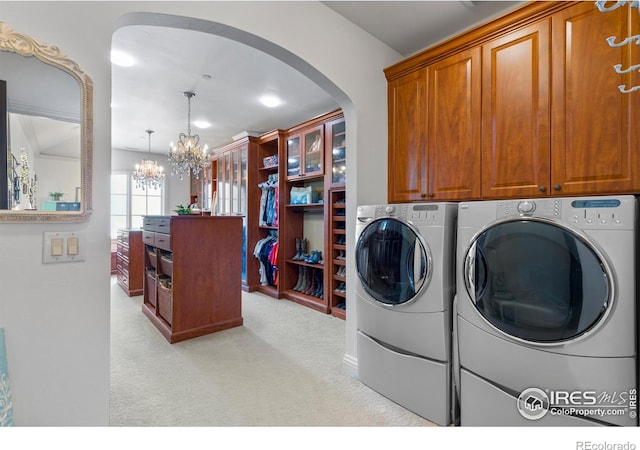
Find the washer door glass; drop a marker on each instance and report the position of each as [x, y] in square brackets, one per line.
[392, 262]
[537, 281]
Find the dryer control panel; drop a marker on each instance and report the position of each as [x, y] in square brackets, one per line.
[585, 213]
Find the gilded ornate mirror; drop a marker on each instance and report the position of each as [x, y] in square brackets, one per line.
[46, 132]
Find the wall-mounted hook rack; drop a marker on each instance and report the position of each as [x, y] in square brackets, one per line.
[611, 40]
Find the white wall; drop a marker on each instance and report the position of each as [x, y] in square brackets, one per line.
[56, 317]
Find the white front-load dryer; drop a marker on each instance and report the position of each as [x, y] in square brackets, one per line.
[405, 265]
[546, 312]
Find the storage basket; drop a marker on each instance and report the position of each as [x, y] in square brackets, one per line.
[164, 298]
[150, 294]
[166, 264]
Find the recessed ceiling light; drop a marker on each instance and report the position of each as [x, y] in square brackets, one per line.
[270, 101]
[120, 58]
[201, 124]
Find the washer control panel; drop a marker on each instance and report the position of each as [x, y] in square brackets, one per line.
[418, 213]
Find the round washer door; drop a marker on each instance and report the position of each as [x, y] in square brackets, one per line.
[392, 261]
[537, 281]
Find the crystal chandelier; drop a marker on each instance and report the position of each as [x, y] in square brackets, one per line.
[148, 173]
[187, 155]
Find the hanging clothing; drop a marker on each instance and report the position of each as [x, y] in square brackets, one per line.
[266, 250]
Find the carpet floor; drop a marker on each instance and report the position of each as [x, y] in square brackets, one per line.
[283, 367]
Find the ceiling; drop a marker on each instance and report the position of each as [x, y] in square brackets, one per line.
[228, 77]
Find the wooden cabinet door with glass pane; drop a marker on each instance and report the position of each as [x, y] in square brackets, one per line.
[305, 153]
[232, 179]
[336, 151]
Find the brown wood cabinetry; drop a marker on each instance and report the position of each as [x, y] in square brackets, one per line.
[595, 127]
[545, 117]
[453, 137]
[274, 224]
[436, 155]
[515, 113]
[407, 158]
[129, 261]
[304, 152]
[308, 281]
[235, 165]
[192, 274]
[336, 260]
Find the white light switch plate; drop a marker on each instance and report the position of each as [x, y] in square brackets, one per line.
[71, 248]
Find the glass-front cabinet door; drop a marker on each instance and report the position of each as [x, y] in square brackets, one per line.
[293, 156]
[232, 182]
[337, 137]
[305, 153]
[313, 146]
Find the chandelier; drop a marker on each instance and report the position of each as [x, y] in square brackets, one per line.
[187, 155]
[148, 173]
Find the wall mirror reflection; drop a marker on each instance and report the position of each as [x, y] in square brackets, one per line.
[45, 132]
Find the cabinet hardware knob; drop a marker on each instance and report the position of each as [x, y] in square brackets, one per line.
[431, 194]
[557, 187]
[423, 195]
[542, 188]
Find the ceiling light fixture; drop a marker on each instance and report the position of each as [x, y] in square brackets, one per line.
[270, 101]
[148, 174]
[187, 155]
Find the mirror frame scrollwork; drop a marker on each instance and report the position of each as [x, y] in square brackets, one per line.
[12, 41]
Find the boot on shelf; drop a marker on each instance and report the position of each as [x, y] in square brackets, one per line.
[312, 283]
[320, 288]
[298, 255]
[304, 248]
[314, 258]
[301, 277]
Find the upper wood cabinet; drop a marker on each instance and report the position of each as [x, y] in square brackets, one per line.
[453, 127]
[595, 132]
[527, 105]
[407, 157]
[305, 153]
[515, 113]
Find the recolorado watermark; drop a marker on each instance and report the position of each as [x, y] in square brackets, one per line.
[589, 445]
[535, 403]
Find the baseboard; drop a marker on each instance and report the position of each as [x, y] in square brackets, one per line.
[350, 364]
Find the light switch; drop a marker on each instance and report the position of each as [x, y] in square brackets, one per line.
[57, 246]
[72, 245]
[63, 247]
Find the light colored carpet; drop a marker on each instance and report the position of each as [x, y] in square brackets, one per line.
[283, 367]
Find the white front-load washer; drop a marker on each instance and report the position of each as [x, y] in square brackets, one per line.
[404, 261]
[546, 312]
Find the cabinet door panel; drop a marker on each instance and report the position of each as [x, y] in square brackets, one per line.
[515, 114]
[454, 127]
[595, 126]
[407, 143]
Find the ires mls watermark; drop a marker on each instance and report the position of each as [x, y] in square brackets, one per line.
[535, 403]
